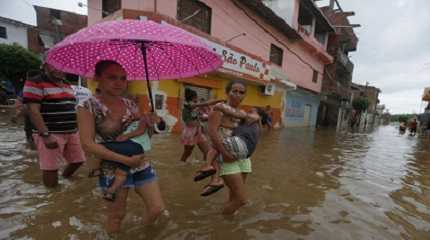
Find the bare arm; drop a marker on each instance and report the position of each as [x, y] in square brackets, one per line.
[36, 117]
[87, 135]
[214, 123]
[137, 132]
[204, 104]
[237, 113]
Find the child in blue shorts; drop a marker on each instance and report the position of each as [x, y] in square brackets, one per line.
[134, 141]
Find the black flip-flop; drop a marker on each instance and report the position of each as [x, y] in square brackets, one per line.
[202, 174]
[211, 189]
[95, 173]
[109, 196]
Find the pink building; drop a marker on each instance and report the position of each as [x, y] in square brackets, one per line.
[279, 47]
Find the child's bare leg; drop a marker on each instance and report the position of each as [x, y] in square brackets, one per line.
[210, 158]
[120, 177]
[207, 170]
[216, 179]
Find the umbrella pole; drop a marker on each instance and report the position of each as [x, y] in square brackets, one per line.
[148, 85]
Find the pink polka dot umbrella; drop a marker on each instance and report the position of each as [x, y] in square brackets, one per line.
[145, 49]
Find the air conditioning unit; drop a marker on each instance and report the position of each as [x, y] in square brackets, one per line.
[269, 89]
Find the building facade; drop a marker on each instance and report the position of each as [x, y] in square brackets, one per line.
[335, 105]
[371, 93]
[273, 54]
[12, 31]
[52, 26]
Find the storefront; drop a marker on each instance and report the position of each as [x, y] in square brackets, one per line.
[169, 94]
[301, 108]
[261, 91]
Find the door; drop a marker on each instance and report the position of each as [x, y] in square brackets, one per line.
[202, 93]
[307, 115]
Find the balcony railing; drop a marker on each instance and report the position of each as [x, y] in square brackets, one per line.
[344, 60]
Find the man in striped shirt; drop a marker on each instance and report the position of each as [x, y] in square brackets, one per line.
[51, 106]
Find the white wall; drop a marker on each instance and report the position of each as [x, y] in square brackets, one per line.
[15, 33]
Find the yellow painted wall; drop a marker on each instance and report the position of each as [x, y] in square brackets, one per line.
[254, 97]
[172, 88]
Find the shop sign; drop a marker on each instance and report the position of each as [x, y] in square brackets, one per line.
[237, 62]
[240, 62]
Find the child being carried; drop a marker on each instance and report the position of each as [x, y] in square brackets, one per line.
[241, 144]
[134, 141]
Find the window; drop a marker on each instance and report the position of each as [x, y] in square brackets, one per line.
[3, 32]
[196, 14]
[110, 6]
[159, 101]
[276, 55]
[306, 20]
[315, 77]
[54, 13]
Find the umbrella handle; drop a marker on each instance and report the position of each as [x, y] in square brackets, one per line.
[148, 85]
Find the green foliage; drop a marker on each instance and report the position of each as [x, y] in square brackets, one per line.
[15, 62]
[401, 117]
[360, 104]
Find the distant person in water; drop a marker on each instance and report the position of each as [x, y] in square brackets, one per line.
[402, 127]
[413, 125]
[267, 117]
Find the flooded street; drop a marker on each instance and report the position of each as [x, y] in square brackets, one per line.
[304, 185]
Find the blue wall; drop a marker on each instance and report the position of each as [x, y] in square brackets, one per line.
[295, 102]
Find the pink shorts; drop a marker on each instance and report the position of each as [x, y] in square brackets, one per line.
[192, 136]
[69, 149]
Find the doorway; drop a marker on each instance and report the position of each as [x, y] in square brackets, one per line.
[307, 115]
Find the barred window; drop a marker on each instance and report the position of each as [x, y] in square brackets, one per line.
[110, 6]
[196, 14]
[3, 32]
[276, 54]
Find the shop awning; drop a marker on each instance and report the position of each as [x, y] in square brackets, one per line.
[279, 76]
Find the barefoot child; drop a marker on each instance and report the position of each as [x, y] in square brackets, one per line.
[241, 144]
[192, 132]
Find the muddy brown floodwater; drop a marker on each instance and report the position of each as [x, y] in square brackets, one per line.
[305, 185]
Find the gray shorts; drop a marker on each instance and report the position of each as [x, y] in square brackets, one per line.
[236, 147]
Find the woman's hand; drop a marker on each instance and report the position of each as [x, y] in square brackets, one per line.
[122, 138]
[227, 157]
[136, 161]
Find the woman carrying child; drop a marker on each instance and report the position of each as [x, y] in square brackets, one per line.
[221, 126]
[110, 127]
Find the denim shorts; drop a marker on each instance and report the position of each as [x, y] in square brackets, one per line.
[134, 179]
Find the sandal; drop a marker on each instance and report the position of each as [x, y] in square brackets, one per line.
[202, 174]
[211, 189]
[109, 196]
[95, 173]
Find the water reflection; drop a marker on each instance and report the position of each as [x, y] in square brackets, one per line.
[304, 185]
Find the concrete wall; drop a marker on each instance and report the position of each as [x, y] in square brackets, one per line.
[15, 34]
